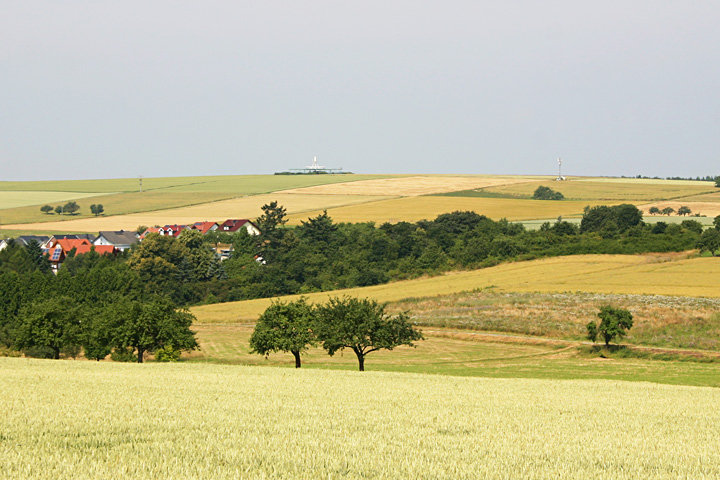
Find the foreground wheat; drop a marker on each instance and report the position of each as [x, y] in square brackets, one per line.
[74, 419]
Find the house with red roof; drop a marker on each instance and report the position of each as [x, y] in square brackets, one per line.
[205, 227]
[233, 225]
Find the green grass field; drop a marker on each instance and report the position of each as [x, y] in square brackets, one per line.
[79, 419]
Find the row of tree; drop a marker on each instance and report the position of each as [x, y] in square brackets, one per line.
[70, 208]
[361, 325]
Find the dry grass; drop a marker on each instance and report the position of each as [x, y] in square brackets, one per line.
[653, 274]
[411, 186]
[245, 207]
[659, 320]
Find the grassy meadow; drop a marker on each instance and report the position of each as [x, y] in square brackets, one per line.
[104, 420]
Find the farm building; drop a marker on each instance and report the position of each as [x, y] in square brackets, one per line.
[233, 225]
[121, 239]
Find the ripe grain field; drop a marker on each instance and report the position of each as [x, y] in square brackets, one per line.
[649, 274]
[64, 419]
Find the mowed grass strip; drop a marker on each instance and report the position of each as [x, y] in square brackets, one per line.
[631, 191]
[65, 419]
[299, 207]
[230, 343]
[413, 209]
[651, 274]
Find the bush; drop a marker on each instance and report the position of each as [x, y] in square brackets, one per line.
[123, 355]
[167, 354]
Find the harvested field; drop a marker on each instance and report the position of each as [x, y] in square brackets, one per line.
[597, 190]
[706, 209]
[412, 209]
[297, 206]
[411, 186]
[651, 274]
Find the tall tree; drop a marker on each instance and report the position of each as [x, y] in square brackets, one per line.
[53, 323]
[147, 326]
[614, 323]
[363, 326]
[284, 327]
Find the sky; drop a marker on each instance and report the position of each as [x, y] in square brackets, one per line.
[108, 89]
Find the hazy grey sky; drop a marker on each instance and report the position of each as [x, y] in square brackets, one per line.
[96, 89]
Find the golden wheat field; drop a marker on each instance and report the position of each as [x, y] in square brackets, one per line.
[650, 274]
[90, 420]
[412, 186]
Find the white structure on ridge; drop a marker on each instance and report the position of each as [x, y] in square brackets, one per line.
[315, 166]
[559, 177]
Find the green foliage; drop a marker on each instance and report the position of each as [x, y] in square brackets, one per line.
[654, 211]
[609, 221]
[148, 325]
[667, 211]
[684, 210]
[71, 207]
[167, 354]
[46, 209]
[123, 354]
[363, 326]
[614, 323]
[54, 323]
[59, 209]
[284, 327]
[96, 209]
[709, 241]
[547, 193]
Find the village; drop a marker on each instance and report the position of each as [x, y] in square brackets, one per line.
[58, 247]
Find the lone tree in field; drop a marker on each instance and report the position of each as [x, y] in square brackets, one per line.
[614, 322]
[363, 326]
[547, 193]
[46, 209]
[284, 327]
